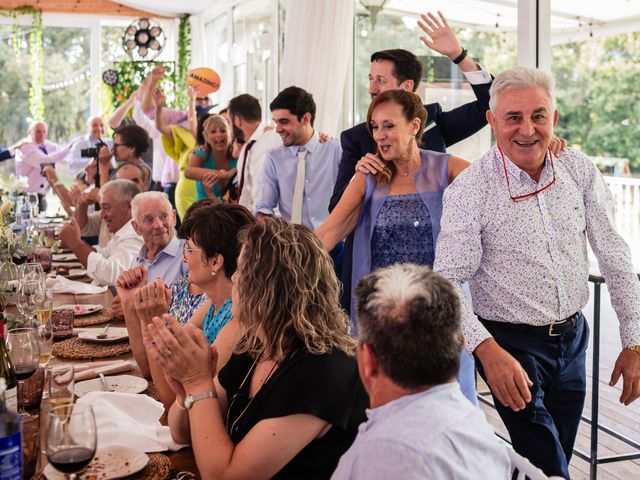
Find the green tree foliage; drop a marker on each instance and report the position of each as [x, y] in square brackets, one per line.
[66, 95]
[598, 95]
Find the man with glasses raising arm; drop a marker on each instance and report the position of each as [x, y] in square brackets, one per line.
[514, 225]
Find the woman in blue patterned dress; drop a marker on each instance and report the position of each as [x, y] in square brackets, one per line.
[394, 201]
[211, 253]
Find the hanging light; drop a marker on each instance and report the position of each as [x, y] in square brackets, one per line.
[143, 39]
[373, 7]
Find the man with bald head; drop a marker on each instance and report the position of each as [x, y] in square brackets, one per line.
[95, 134]
[34, 152]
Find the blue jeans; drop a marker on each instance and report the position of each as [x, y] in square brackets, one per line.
[545, 431]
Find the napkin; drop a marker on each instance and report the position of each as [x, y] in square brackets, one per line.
[85, 372]
[64, 257]
[137, 415]
[60, 284]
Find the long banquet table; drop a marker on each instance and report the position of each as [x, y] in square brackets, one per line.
[182, 460]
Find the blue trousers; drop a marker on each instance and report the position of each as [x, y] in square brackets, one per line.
[545, 431]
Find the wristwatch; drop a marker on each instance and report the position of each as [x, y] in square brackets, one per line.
[634, 348]
[189, 400]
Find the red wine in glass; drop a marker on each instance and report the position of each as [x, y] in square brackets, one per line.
[71, 438]
[72, 459]
[24, 371]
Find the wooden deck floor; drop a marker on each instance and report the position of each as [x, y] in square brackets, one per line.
[614, 415]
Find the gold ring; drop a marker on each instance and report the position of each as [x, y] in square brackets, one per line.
[166, 353]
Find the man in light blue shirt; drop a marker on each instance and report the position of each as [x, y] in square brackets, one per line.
[154, 219]
[420, 425]
[298, 177]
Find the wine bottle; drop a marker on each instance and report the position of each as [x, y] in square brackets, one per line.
[7, 370]
[10, 439]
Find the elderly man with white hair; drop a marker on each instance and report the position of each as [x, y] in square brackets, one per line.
[155, 220]
[105, 264]
[420, 425]
[159, 262]
[515, 225]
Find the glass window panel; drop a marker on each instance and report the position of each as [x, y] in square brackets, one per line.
[492, 45]
[66, 82]
[252, 43]
[595, 62]
[217, 34]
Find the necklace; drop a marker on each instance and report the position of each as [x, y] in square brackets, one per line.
[234, 425]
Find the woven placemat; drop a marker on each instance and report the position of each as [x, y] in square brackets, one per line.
[104, 315]
[77, 349]
[158, 468]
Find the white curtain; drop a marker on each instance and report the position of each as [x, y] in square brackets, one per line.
[317, 52]
[199, 54]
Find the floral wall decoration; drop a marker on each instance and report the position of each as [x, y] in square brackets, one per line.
[125, 77]
[184, 59]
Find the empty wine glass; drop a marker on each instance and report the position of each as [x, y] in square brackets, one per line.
[34, 204]
[30, 296]
[71, 438]
[31, 271]
[25, 354]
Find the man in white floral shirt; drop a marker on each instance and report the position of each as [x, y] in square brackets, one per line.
[515, 225]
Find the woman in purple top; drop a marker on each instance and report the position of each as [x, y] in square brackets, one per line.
[394, 201]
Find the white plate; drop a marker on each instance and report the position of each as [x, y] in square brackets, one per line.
[64, 257]
[114, 334]
[81, 309]
[117, 383]
[76, 273]
[109, 463]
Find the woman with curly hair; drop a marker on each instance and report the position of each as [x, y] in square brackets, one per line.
[288, 402]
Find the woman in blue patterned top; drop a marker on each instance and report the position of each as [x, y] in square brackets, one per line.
[394, 201]
[212, 164]
[211, 253]
[186, 298]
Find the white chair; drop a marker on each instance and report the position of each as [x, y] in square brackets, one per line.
[525, 468]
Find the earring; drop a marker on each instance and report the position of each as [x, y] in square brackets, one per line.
[213, 273]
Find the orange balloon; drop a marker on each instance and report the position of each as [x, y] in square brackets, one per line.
[204, 80]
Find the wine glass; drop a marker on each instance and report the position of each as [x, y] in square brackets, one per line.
[60, 385]
[71, 438]
[25, 354]
[31, 271]
[30, 296]
[34, 204]
[45, 333]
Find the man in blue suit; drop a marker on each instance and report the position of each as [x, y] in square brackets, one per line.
[400, 69]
